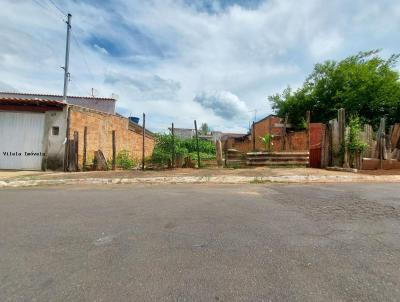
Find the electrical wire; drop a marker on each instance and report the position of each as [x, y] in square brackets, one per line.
[83, 55]
[58, 8]
[47, 8]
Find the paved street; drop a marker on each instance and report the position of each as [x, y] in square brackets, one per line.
[256, 242]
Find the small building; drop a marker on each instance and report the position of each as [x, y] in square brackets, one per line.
[184, 133]
[37, 133]
[187, 133]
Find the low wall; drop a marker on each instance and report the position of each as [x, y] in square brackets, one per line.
[295, 141]
[374, 164]
[297, 158]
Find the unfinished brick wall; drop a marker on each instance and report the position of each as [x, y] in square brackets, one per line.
[241, 144]
[295, 141]
[99, 134]
[263, 126]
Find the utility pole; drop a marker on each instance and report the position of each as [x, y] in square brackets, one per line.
[255, 114]
[66, 67]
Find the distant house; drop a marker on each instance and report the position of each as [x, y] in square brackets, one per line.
[40, 133]
[184, 133]
[96, 103]
[187, 133]
[270, 124]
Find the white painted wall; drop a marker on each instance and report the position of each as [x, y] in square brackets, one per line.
[55, 144]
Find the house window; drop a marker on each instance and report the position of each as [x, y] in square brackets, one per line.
[55, 130]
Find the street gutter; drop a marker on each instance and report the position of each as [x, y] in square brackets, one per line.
[224, 179]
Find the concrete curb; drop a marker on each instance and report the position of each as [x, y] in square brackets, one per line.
[210, 180]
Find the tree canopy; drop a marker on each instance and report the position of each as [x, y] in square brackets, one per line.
[365, 84]
[204, 129]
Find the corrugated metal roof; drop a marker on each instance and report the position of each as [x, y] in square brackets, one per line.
[31, 102]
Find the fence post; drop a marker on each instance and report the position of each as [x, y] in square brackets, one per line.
[283, 142]
[84, 148]
[308, 121]
[382, 141]
[143, 139]
[173, 146]
[113, 150]
[342, 134]
[270, 133]
[197, 144]
[76, 145]
[218, 147]
[253, 136]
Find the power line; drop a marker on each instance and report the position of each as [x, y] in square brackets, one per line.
[83, 55]
[78, 88]
[57, 7]
[47, 8]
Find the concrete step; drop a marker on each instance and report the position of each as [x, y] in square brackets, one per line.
[278, 154]
[267, 158]
[278, 163]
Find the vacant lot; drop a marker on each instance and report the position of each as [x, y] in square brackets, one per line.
[201, 243]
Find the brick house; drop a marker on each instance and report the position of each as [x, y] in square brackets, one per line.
[35, 132]
[274, 125]
[244, 143]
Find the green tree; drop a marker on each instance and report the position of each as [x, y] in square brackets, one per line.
[204, 129]
[365, 85]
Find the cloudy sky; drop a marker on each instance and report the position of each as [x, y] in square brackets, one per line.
[178, 60]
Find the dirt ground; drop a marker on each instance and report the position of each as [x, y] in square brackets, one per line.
[380, 172]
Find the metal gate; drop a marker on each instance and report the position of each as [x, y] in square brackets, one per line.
[21, 140]
[315, 156]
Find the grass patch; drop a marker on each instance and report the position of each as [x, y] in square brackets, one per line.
[258, 180]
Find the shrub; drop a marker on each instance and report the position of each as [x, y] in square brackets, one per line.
[124, 160]
[162, 153]
[354, 142]
[266, 139]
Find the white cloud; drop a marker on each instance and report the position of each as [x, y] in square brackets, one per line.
[162, 53]
[223, 104]
[101, 49]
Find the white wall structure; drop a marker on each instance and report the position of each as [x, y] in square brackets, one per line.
[55, 139]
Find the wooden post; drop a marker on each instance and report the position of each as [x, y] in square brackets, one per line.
[218, 148]
[253, 136]
[270, 133]
[342, 135]
[283, 142]
[197, 145]
[84, 148]
[308, 121]
[113, 150]
[173, 146]
[143, 139]
[76, 145]
[382, 142]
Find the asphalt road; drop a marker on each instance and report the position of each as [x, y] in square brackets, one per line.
[201, 243]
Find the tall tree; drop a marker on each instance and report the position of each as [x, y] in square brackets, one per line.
[204, 129]
[365, 85]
